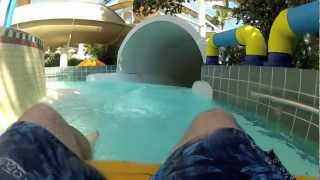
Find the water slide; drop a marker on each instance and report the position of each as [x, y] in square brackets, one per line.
[158, 48]
[168, 50]
[289, 24]
[68, 23]
[164, 49]
[6, 12]
[246, 35]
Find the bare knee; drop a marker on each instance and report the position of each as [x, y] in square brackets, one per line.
[42, 106]
[214, 119]
[207, 123]
[46, 117]
[40, 112]
[216, 113]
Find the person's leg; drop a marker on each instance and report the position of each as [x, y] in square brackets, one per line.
[215, 147]
[207, 123]
[48, 118]
[41, 145]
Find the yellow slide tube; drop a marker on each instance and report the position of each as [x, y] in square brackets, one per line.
[281, 36]
[119, 170]
[211, 49]
[246, 35]
[252, 38]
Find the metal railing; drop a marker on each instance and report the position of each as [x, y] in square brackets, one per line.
[286, 102]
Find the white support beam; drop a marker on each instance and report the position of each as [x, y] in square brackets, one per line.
[3, 10]
[202, 18]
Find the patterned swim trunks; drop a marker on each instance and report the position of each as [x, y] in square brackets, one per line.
[228, 154]
[30, 152]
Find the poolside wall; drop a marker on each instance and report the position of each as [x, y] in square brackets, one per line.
[22, 80]
[233, 86]
[74, 73]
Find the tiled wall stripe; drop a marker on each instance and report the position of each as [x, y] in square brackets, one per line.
[75, 73]
[21, 80]
[233, 85]
[274, 88]
[14, 36]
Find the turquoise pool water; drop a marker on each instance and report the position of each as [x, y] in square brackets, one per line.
[143, 122]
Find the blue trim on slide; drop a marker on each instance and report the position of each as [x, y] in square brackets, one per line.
[255, 60]
[212, 60]
[279, 59]
[225, 38]
[305, 18]
[9, 15]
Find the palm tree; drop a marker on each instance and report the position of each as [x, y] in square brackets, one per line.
[221, 16]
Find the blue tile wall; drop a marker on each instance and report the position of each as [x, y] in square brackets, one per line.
[75, 73]
[234, 85]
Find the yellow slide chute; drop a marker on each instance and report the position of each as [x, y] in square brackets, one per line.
[281, 37]
[91, 63]
[252, 38]
[122, 170]
[245, 35]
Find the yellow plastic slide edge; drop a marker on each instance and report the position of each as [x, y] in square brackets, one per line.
[119, 170]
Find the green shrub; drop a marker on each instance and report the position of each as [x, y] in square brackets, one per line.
[74, 62]
[52, 60]
[105, 53]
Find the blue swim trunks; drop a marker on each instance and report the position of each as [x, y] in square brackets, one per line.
[30, 152]
[228, 154]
